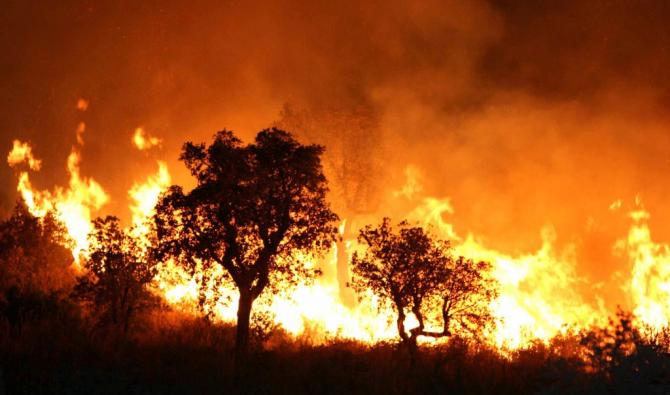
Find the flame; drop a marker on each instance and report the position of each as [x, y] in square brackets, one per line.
[316, 308]
[73, 205]
[23, 152]
[537, 297]
[82, 104]
[81, 128]
[649, 286]
[143, 141]
[144, 197]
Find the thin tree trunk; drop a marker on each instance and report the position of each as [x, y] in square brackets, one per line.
[400, 323]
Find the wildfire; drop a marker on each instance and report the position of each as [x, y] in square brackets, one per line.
[537, 291]
[73, 205]
[538, 297]
[144, 197]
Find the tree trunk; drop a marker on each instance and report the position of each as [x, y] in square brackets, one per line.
[242, 331]
[401, 329]
[400, 323]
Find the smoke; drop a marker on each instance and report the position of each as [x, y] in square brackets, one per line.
[525, 115]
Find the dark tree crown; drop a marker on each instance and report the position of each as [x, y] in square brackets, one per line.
[253, 207]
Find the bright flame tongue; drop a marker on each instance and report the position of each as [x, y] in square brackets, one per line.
[537, 293]
[145, 196]
[73, 205]
[23, 152]
[650, 280]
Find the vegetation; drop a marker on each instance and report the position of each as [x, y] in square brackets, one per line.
[253, 209]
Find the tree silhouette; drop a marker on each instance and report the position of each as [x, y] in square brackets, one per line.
[34, 265]
[253, 208]
[417, 274]
[118, 268]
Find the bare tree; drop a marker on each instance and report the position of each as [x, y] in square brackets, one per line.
[415, 273]
[254, 207]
